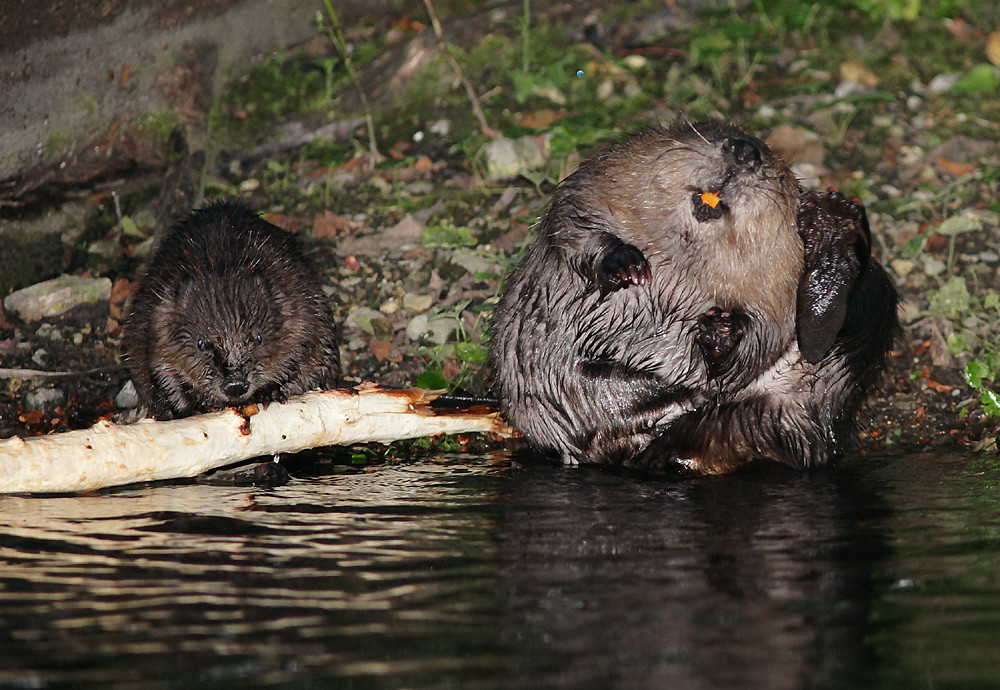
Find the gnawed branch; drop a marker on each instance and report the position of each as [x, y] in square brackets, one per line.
[115, 454]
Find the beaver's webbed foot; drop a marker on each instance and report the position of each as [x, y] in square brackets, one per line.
[719, 332]
[834, 230]
[622, 266]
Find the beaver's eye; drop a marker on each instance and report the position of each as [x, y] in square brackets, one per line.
[260, 338]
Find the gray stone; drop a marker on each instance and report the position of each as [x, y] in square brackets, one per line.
[57, 296]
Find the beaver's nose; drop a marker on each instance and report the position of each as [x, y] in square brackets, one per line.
[235, 386]
[742, 153]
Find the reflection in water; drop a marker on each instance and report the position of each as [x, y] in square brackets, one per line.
[455, 571]
[739, 582]
[359, 575]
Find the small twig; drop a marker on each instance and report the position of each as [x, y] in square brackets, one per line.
[340, 43]
[39, 374]
[473, 98]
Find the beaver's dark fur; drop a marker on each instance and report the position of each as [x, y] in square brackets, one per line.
[653, 322]
[228, 313]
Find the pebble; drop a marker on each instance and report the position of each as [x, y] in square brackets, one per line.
[933, 266]
[127, 397]
[902, 267]
[417, 303]
[943, 82]
[39, 356]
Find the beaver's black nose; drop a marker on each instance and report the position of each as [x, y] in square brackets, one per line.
[742, 153]
[235, 386]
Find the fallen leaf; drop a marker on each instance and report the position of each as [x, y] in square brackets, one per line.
[32, 417]
[291, 224]
[121, 290]
[539, 119]
[383, 352]
[938, 387]
[327, 224]
[423, 164]
[954, 168]
[412, 26]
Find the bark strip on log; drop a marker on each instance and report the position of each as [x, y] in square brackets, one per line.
[109, 454]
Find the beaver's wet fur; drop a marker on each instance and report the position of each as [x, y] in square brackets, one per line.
[228, 313]
[654, 321]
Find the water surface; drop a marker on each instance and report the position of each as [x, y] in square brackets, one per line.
[462, 571]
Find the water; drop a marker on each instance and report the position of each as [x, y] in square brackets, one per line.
[466, 572]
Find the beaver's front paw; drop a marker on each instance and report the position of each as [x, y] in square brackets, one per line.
[719, 332]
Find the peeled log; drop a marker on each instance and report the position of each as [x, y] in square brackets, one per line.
[114, 454]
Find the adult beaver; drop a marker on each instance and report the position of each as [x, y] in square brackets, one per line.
[653, 322]
[228, 313]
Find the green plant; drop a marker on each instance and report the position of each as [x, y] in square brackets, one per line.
[976, 335]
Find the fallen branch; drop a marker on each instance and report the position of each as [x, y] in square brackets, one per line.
[114, 454]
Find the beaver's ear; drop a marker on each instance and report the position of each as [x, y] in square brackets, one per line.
[837, 242]
[821, 309]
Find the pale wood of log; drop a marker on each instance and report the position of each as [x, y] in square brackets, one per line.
[109, 454]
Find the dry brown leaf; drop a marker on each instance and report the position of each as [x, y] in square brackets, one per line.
[954, 168]
[538, 119]
[326, 225]
[290, 224]
[383, 352]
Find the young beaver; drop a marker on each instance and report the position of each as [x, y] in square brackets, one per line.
[228, 313]
[653, 322]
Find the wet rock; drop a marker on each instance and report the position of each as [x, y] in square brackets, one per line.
[57, 296]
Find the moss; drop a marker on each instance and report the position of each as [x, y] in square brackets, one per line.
[56, 143]
[161, 123]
